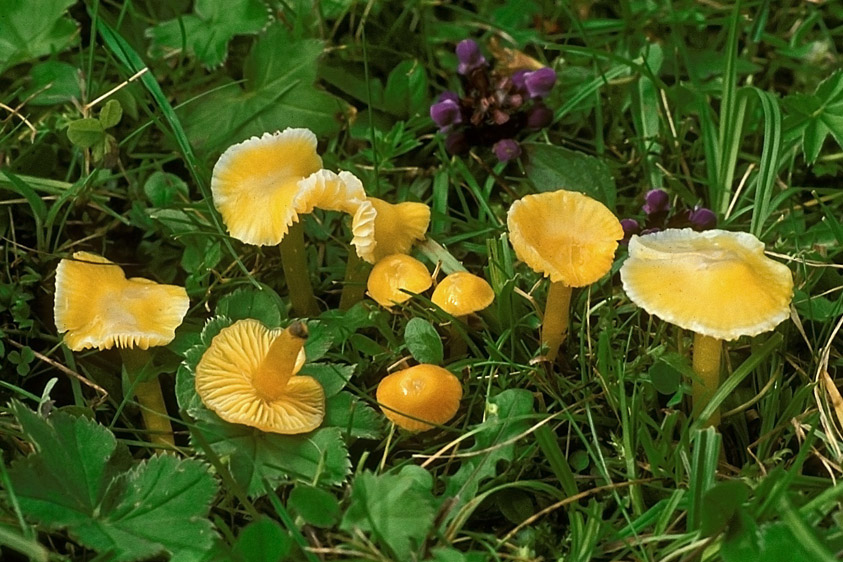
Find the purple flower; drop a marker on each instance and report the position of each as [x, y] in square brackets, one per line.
[449, 95]
[456, 143]
[445, 113]
[539, 116]
[540, 82]
[630, 227]
[506, 150]
[469, 56]
[656, 201]
[702, 218]
[518, 80]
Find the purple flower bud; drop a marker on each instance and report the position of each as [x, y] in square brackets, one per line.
[630, 227]
[456, 143]
[469, 56]
[518, 80]
[539, 116]
[540, 82]
[656, 201]
[445, 113]
[449, 95]
[506, 150]
[702, 218]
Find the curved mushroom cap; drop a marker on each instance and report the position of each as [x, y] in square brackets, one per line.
[426, 392]
[462, 293]
[329, 191]
[564, 235]
[395, 274]
[248, 376]
[255, 182]
[96, 306]
[381, 229]
[715, 283]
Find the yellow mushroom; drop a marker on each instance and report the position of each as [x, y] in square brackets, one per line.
[420, 397]
[96, 306]
[460, 294]
[717, 284]
[394, 277]
[248, 375]
[568, 237]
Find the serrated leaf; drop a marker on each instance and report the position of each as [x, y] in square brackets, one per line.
[30, 29]
[423, 341]
[316, 506]
[111, 114]
[816, 116]
[264, 305]
[344, 411]
[331, 376]
[206, 33]
[551, 168]
[85, 133]
[262, 540]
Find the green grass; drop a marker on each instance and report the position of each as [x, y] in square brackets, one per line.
[596, 457]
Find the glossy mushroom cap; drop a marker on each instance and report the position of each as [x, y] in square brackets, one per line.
[564, 235]
[381, 229]
[715, 283]
[248, 376]
[395, 274]
[255, 182]
[462, 293]
[96, 306]
[425, 392]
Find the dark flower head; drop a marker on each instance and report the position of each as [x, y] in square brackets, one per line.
[702, 218]
[469, 56]
[630, 227]
[445, 113]
[539, 116]
[518, 80]
[540, 82]
[506, 150]
[456, 143]
[449, 95]
[656, 201]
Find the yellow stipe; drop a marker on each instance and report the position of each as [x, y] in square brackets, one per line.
[272, 375]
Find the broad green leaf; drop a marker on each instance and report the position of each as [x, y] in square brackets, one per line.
[813, 117]
[206, 33]
[331, 376]
[264, 305]
[85, 133]
[110, 114]
[57, 82]
[30, 29]
[423, 341]
[551, 168]
[345, 412]
[665, 377]
[163, 188]
[719, 505]
[772, 542]
[279, 74]
[262, 540]
[396, 510]
[316, 506]
[406, 89]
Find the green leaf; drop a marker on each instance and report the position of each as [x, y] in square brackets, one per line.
[207, 33]
[316, 506]
[814, 117]
[85, 133]
[30, 29]
[423, 341]
[665, 378]
[406, 89]
[279, 74]
[110, 114]
[162, 188]
[331, 376]
[57, 82]
[396, 509]
[719, 505]
[345, 412]
[774, 542]
[551, 168]
[264, 305]
[262, 540]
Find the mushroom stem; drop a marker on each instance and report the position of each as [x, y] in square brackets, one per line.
[296, 273]
[707, 366]
[555, 323]
[149, 396]
[278, 366]
[457, 346]
[354, 286]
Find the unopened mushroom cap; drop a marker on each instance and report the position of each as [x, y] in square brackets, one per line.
[228, 381]
[255, 182]
[564, 235]
[462, 293]
[426, 392]
[716, 283]
[381, 229]
[96, 306]
[395, 274]
[329, 191]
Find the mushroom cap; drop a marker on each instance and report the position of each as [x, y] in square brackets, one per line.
[395, 274]
[716, 283]
[255, 182]
[96, 306]
[329, 191]
[225, 381]
[564, 235]
[426, 392]
[462, 293]
[381, 229]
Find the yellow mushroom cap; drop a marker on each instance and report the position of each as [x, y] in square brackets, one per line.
[462, 293]
[329, 191]
[96, 306]
[564, 235]
[716, 283]
[426, 392]
[248, 376]
[381, 229]
[395, 274]
[256, 181]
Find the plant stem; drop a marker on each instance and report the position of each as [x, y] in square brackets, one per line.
[149, 396]
[457, 346]
[555, 323]
[354, 286]
[707, 366]
[296, 273]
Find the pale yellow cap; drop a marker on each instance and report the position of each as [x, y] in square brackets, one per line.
[716, 283]
[329, 191]
[462, 293]
[381, 229]
[426, 392]
[395, 274]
